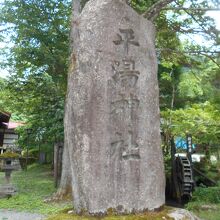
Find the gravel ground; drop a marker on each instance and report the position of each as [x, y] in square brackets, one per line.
[13, 215]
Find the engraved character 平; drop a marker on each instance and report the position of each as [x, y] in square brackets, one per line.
[127, 38]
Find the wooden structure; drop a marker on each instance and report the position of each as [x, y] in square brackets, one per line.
[184, 173]
[8, 135]
[4, 120]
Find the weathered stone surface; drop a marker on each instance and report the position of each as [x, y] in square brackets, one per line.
[7, 190]
[112, 115]
[182, 214]
[14, 215]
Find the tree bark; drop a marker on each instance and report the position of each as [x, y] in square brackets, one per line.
[76, 7]
[65, 188]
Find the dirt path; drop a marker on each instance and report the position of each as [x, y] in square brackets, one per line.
[13, 215]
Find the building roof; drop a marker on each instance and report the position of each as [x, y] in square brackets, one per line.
[14, 125]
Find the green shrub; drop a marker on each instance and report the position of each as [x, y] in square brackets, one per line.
[207, 195]
[31, 160]
[31, 153]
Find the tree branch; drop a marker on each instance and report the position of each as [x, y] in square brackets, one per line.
[203, 53]
[155, 9]
[198, 22]
[190, 51]
[191, 9]
[76, 7]
[211, 58]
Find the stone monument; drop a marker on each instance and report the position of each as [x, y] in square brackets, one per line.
[112, 117]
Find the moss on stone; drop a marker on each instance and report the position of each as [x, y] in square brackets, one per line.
[9, 155]
[160, 215]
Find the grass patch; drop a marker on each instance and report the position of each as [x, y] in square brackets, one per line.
[33, 187]
[205, 203]
[208, 194]
[210, 214]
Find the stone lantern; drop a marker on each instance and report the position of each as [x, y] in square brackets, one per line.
[8, 162]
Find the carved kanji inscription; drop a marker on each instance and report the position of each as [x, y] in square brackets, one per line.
[129, 103]
[127, 38]
[125, 149]
[124, 107]
[125, 73]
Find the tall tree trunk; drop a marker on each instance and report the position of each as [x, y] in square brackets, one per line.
[65, 188]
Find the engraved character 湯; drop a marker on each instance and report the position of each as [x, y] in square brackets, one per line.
[129, 76]
[125, 73]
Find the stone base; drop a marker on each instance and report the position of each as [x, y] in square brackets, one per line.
[182, 214]
[167, 213]
[7, 190]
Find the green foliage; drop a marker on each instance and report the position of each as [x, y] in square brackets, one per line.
[206, 203]
[33, 186]
[39, 32]
[3, 93]
[38, 57]
[212, 212]
[34, 153]
[209, 214]
[190, 86]
[141, 5]
[210, 169]
[207, 195]
[40, 100]
[200, 120]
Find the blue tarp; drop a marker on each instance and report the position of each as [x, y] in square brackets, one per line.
[181, 143]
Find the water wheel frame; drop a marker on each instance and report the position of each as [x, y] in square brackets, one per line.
[184, 177]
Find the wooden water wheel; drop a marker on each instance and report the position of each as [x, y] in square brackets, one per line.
[184, 177]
